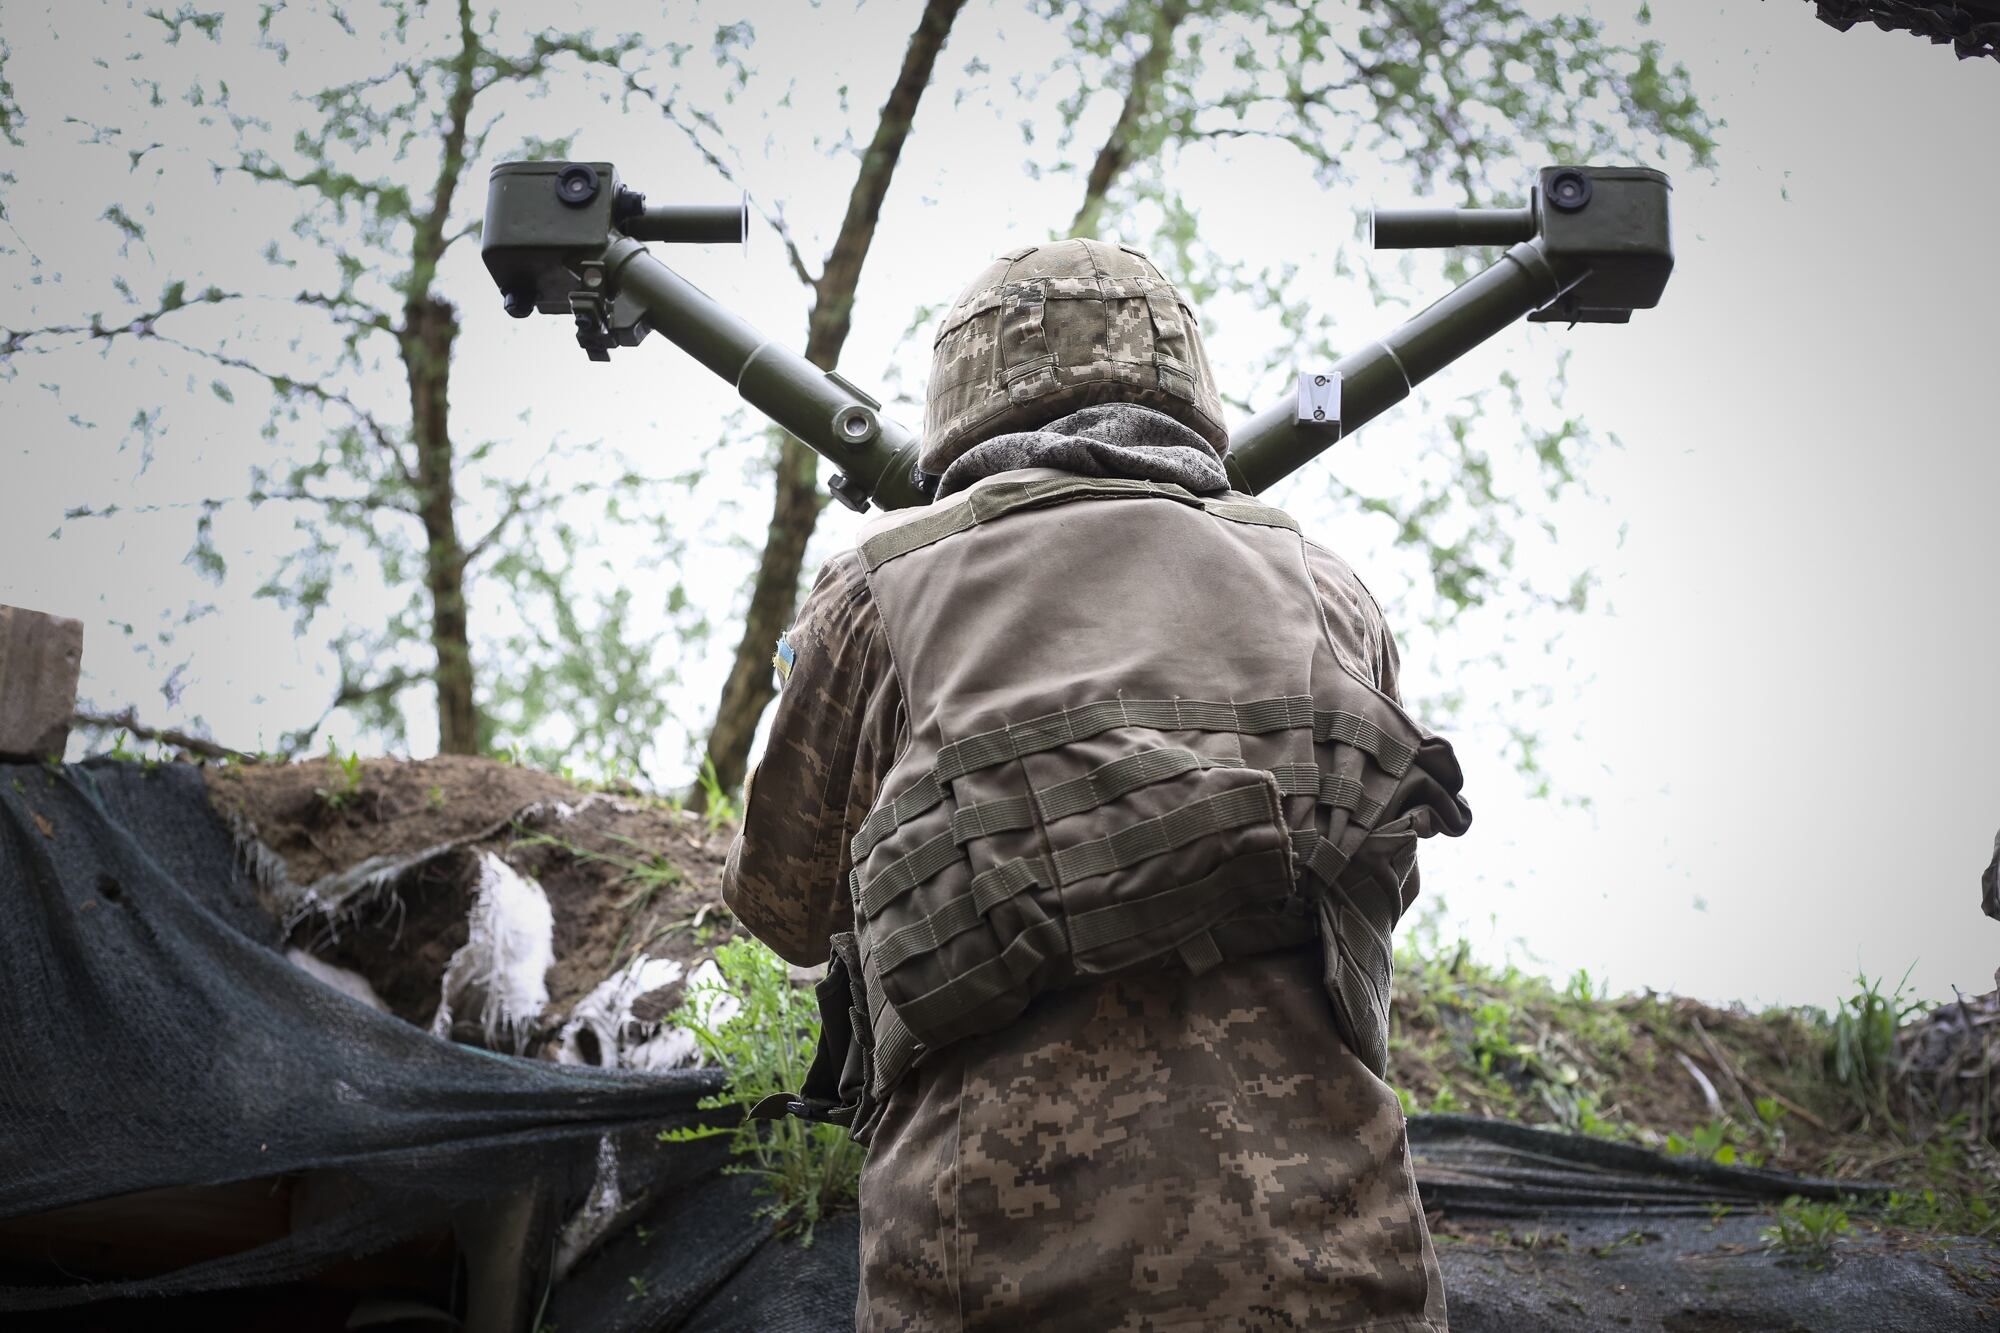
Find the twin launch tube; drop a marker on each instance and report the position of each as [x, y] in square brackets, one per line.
[878, 456]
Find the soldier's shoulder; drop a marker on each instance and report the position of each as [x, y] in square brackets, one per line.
[1360, 630]
[837, 612]
[841, 584]
[1331, 567]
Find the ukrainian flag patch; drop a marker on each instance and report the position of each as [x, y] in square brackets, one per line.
[781, 661]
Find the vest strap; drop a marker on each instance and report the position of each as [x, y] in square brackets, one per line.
[1358, 731]
[1127, 847]
[1199, 953]
[983, 504]
[1342, 793]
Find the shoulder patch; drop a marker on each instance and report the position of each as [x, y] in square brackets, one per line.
[781, 661]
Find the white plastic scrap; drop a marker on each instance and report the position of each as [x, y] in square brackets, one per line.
[597, 1217]
[349, 983]
[500, 972]
[602, 1029]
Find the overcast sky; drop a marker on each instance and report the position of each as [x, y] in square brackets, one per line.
[1776, 729]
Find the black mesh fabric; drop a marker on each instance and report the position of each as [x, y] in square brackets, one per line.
[152, 1036]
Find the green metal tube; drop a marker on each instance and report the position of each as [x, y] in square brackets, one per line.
[1429, 228]
[700, 224]
[1275, 443]
[836, 421]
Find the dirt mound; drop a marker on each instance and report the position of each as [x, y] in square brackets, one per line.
[1879, 1091]
[371, 865]
[324, 816]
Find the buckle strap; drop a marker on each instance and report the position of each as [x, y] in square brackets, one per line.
[1358, 731]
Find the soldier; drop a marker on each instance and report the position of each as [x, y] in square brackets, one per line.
[1092, 781]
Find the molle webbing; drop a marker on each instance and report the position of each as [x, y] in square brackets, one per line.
[1100, 786]
[1255, 718]
[981, 985]
[1100, 856]
[983, 504]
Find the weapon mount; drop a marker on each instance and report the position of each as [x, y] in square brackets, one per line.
[564, 238]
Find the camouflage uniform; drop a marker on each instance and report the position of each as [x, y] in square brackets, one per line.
[1185, 1149]
[1150, 1153]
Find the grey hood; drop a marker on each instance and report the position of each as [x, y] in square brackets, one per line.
[1109, 440]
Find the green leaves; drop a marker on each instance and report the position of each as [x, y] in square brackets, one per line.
[806, 1171]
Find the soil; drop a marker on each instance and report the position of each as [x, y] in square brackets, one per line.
[320, 823]
[623, 872]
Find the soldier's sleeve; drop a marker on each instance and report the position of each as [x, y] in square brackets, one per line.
[832, 736]
[1359, 628]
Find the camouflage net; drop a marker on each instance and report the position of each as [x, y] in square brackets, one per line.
[1972, 27]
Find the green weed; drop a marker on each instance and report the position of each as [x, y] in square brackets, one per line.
[345, 789]
[646, 871]
[718, 807]
[1861, 1047]
[1718, 1141]
[806, 1171]
[1807, 1231]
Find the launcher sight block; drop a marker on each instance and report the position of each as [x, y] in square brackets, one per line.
[563, 238]
[1591, 246]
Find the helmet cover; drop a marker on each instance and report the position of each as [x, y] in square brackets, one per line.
[1048, 329]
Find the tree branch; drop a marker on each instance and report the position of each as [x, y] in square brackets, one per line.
[797, 500]
[430, 242]
[287, 386]
[773, 216]
[1116, 151]
[517, 504]
[174, 298]
[353, 692]
[833, 307]
[128, 720]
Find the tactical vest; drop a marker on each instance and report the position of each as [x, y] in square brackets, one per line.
[1131, 745]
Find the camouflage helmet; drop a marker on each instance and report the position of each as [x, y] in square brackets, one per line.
[1047, 329]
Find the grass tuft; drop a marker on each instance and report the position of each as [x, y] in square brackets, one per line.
[806, 1171]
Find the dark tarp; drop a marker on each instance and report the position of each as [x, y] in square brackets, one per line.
[152, 1035]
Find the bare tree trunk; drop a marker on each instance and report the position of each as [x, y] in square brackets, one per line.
[1116, 154]
[795, 511]
[429, 326]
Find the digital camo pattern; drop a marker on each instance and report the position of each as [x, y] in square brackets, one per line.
[1150, 1154]
[1049, 329]
[833, 736]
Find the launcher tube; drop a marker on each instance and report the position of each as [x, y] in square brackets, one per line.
[836, 422]
[1275, 443]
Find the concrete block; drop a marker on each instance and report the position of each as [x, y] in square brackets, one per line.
[40, 656]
